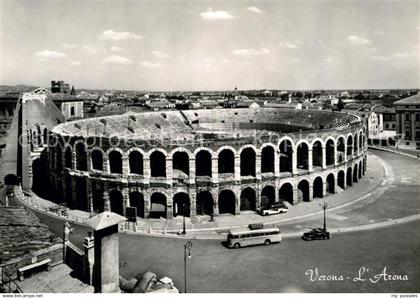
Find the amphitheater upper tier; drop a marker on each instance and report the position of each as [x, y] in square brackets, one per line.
[206, 126]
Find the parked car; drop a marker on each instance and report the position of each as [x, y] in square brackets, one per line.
[273, 210]
[316, 234]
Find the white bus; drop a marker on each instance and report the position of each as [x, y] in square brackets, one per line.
[245, 237]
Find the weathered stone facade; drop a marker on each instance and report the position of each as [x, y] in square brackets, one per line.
[217, 175]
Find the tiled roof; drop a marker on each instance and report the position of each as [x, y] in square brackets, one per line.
[21, 232]
[412, 100]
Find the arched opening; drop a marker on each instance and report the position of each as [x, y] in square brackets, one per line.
[356, 143]
[69, 192]
[248, 162]
[81, 194]
[97, 160]
[349, 177]
[115, 162]
[330, 183]
[157, 164]
[318, 188]
[181, 163]
[227, 202]
[303, 191]
[59, 160]
[268, 196]
[248, 199]
[45, 136]
[158, 205]
[286, 155]
[349, 146]
[267, 160]
[40, 170]
[364, 166]
[116, 200]
[203, 163]
[302, 156]
[361, 141]
[226, 161]
[181, 204]
[317, 154]
[204, 203]
[98, 200]
[39, 137]
[137, 200]
[286, 193]
[136, 162]
[11, 179]
[81, 159]
[360, 170]
[330, 152]
[341, 181]
[340, 149]
[355, 173]
[68, 163]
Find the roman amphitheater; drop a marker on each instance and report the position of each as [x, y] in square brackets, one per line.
[199, 162]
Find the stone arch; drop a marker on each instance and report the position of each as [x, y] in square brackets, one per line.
[158, 205]
[227, 202]
[349, 145]
[317, 153]
[349, 177]
[203, 163]
[81, 193]
[40, 184]
[302, 149]
[248, 199]
[248, 161]
[356, 143]
[157, 164]
[45, 136]
[331, 183]
[59, 160]
[68, 157]
[303, 190]
[116, 200]
[115, 162]
[81, 156]
[181, 204]
[286, 155]
[268, 196]
[204, 203]
[97, 157]
[318, 188]
[98, 200]
[330, 152]
[267, 159]
[226, 161]
[135, 160]
[361, 140]
[360, 170]
[341, 145]
[286, 192]
[355, 173]
[341, 179]
[137, 200]
[181, 162]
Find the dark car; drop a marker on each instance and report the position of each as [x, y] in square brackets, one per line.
[316, 234]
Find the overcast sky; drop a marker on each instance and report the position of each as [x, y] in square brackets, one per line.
[211, 45]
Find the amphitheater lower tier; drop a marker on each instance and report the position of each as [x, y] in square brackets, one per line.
[161, 197]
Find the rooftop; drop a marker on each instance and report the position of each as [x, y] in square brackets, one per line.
[21, 232]
[412, 100]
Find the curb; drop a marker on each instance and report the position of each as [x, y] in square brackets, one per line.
[392, 151]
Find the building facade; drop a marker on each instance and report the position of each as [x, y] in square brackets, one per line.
[408, 121]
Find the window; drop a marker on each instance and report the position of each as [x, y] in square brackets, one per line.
[72, 112]
[417, 117]
[407, 117]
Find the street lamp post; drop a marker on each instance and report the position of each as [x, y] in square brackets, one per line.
[187, 250]
[184, 231]
[324, 206]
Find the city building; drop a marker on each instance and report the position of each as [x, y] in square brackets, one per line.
[60, 87]
[408, 121]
